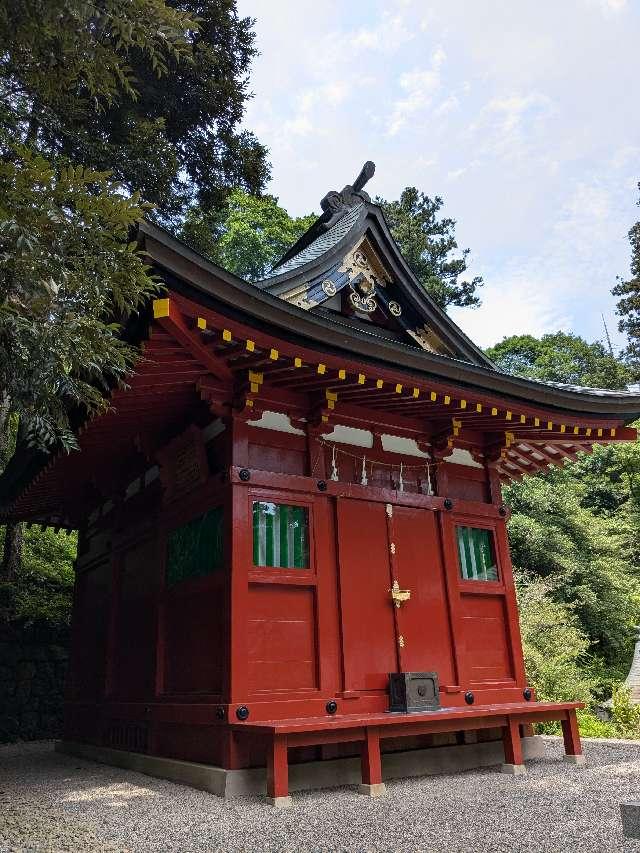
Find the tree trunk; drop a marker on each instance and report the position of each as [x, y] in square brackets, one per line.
[12, 552]
[4, 430]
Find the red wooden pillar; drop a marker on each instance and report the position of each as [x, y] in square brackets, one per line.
[514, 762]
[372, 783]
[278, 772]
[571, 735]
[239, 550]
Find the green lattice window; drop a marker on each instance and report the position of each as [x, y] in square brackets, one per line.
[196, 548]
[280, 536]
[477, 554]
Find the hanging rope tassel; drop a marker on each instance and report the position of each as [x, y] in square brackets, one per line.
[334, 467]
[429, 489]
[363, 479]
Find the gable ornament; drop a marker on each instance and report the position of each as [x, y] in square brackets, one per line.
[362, 281]
[335, 204]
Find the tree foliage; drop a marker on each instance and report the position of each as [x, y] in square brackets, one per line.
[555, 647]
[101, 106]
[42, 588]
[247, 236]
[429, 246]
[560, 357]
[583, 558]
[628, 307]
[67, 273]
[151, 90]
[574, 536]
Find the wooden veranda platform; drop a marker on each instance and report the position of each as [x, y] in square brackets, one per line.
[370, 729]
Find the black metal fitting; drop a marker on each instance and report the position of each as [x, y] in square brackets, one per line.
[331, 706]
[322, 485]
[220, 713]
[502, 511]
[242, 713]
[448, 503]
[527, 693]
[245, 475]
[469, 698]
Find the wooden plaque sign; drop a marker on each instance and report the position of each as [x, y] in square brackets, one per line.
[183, 463]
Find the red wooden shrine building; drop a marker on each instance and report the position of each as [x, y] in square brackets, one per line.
[299, 496]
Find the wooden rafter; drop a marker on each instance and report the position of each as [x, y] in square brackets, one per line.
[167, 314]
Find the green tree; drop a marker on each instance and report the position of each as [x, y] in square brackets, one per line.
[555, 648]
[41, 589]
[429, 246]
[560, 357]
[67, 275]
[583, 557]
[628, 307]
[150, 90]
[247, 236]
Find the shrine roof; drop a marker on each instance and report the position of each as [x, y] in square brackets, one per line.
[321, 244]
[209, 285]
[341, 318]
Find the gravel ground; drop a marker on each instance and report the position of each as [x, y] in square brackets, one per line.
[51, 802]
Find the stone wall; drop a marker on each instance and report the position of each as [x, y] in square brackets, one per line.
[33, 665]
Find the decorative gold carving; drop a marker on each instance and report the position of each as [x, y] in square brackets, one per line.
[367, 304]
[329, 287]
[395, 308]
[358, 267]
[426, 338]
[401, 641]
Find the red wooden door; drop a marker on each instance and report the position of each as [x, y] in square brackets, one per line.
[378, 545]
[423, 620]
[368, 625]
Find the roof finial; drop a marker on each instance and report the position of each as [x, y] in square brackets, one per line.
[366, 173]
[336, 204]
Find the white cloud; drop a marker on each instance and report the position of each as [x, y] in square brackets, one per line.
[301, 125]
[386, 36]
[447, 106]
[610, 7]
[454, 174]
[419, 87]
[506, 312]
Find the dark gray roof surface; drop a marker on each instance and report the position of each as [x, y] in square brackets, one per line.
[596, 392]
[321, 244]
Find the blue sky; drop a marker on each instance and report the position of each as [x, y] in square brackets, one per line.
[523, 116]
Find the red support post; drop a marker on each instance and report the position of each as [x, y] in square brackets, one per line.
[513, 761]
[372, 783]
[571, 736]
[278, 772]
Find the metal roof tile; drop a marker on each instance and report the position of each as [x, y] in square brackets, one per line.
[320, 245]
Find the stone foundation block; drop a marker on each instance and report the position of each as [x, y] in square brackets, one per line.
[280, 802]
[631, 818]
[376, 790]
[514, 769]
[578, 760]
